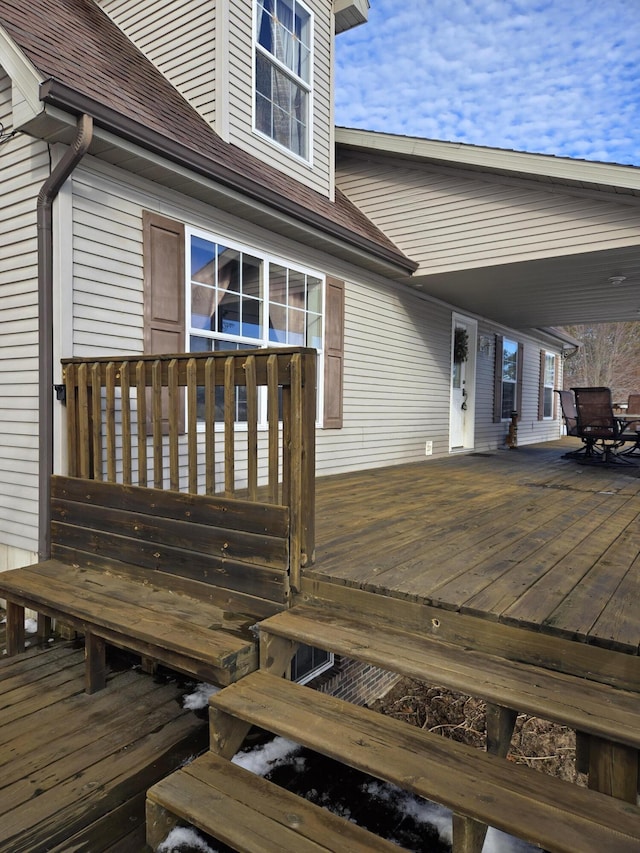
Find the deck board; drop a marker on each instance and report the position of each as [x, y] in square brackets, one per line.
[523, 537]
[74, 768]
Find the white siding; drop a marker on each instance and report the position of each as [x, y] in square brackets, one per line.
[448, 220]
[318, 175]
[24, 165]
[397, 342]
[179, 37]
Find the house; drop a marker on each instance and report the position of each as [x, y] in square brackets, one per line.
[384, 253]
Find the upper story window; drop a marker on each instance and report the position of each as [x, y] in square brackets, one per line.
[283, 73]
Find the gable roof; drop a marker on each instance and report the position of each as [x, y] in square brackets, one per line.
[87, 65]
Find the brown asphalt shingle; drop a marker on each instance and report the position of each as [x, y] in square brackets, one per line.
[75, 43]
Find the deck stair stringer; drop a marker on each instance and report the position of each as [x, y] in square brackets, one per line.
[480, 788]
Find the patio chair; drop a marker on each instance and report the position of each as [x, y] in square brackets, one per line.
[570, 417]
[632, 428]
[597, 425]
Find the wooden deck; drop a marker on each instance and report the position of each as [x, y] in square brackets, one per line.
[74, 768]
[505, 541]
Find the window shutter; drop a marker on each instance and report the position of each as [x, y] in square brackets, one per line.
[164, 285]
[497, 382]
[519, 381]
[541, 385]
[333, 353]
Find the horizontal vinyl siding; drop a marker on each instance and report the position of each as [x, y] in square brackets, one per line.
[24, 165]
[240, 59]
[448, 220]
[108, 270]
[178, 36]
[396, 381]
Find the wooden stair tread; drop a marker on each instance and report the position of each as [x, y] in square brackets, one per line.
[558, 815]
[587, 706]
[249, 813]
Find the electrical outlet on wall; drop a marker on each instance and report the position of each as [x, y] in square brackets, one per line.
[428, 448]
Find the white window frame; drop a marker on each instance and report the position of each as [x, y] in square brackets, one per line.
[306, 85]
[504, 382]
[259, 343]
[310, 674]
[545, 385]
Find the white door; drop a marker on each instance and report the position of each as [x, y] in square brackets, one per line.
[463, 348]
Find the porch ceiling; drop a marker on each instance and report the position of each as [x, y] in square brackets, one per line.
[546, 292]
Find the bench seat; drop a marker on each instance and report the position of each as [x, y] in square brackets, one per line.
[135, 610]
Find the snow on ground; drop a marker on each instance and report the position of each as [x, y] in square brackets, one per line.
[199, 698]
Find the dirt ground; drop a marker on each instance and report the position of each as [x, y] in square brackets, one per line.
[548, 747]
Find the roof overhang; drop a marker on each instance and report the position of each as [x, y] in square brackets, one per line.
[133, 147]
[572, 286]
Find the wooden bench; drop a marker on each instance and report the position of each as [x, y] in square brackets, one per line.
[177, 578]
[544, 810]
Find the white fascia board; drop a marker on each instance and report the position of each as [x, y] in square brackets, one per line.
[24, 77]
[493, 159]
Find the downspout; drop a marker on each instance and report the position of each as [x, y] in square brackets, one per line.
[46, 197]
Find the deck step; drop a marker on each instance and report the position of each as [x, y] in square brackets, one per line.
[557, 815]
[249, 813]
[586, 706]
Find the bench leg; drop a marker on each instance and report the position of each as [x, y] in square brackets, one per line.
[15, 628]
[95, 673]
[45, 628]
[613, 769]
[469, 834]
[226, 733]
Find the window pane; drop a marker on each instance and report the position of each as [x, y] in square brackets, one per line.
[203, 303]
[295, 336]
[278, 324]
[251, 276]
[509, 361]
[278, 284]
[508, 398]
[549, 369]
[548, 403]
[228, 314]
[251, 318]
[297, 281]
[314, 331]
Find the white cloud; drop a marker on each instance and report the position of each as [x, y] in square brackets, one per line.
[552, 76]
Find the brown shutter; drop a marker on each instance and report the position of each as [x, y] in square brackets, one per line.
[333, 353]
[497, 382]
[519, 380]
[541, 386]
[164, 285]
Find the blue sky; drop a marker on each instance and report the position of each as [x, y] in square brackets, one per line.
[549, 76]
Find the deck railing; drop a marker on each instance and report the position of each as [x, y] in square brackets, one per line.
[237, 424]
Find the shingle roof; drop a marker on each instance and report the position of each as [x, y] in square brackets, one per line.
[74, 43]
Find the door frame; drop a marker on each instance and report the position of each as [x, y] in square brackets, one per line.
[471, 326]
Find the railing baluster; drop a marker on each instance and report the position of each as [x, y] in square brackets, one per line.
[295, 468]
[252, 426]
[274, 428]
[84, 422]
[141, 408]
[210, 425]
[125, 401]
[192, 425]
[156, 388]
[229, 426]
[110, 418]
[96, 419]
[174, 413]
[70, 375]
